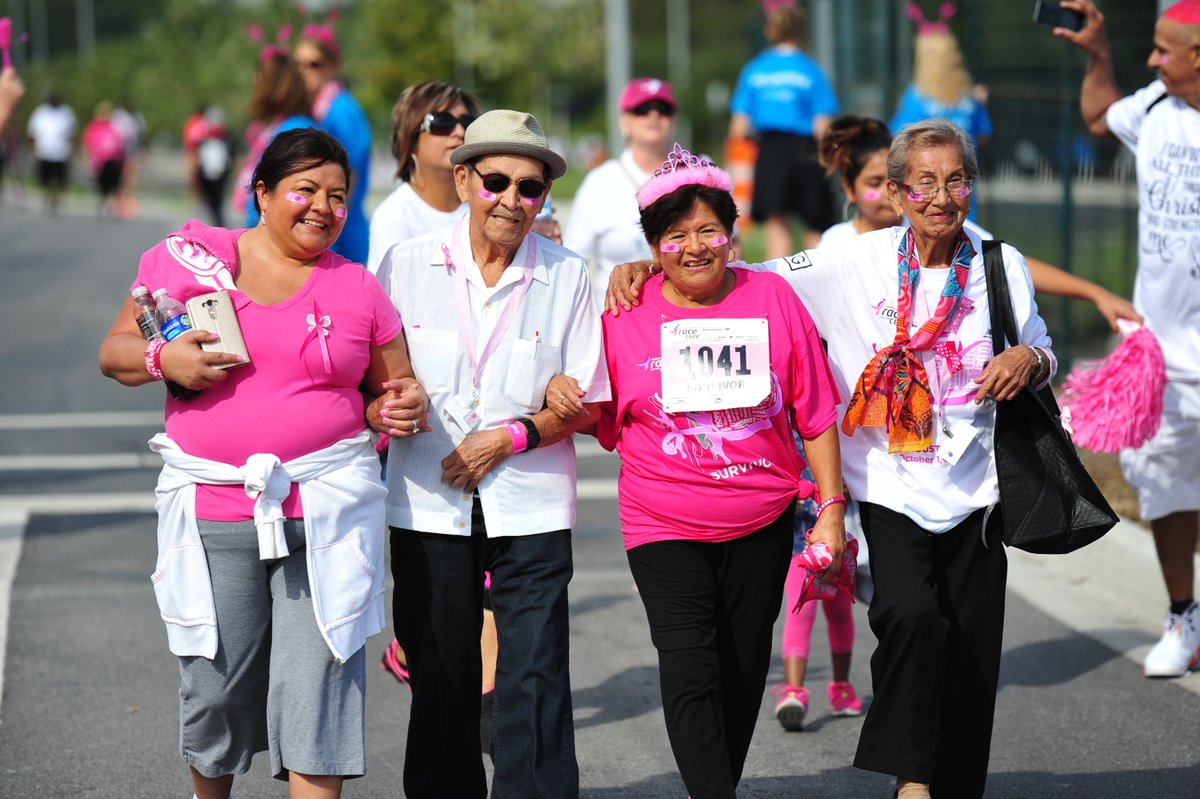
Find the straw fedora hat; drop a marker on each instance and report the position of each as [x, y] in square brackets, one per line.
[504, 132]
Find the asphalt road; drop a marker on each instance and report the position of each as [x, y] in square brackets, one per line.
[89, 702]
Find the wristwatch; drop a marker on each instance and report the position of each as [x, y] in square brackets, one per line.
[1042, 363]
[532, 436]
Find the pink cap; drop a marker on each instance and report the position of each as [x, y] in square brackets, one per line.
[642, 90]
[1185, 12]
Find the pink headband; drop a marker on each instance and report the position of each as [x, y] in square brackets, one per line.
[682, 169]
[255, 32]
[924, 26]
[1185, 12]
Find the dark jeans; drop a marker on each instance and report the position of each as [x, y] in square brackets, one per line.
[712, 608]
[938, 613]
[438, 611]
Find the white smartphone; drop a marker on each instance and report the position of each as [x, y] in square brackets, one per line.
[215, 313]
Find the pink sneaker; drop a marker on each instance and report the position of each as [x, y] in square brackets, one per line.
[791, 706]
[843, 701]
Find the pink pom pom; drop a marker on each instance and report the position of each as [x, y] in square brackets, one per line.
[914, 12]
[1117, 403]
[947, 10]
[254, 31]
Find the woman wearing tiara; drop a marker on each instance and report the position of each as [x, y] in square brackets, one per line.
[702, 416]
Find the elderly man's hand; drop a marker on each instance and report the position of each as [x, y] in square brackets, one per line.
[1092, 38]
[1007, 373]
[625, 286]
[478, 454]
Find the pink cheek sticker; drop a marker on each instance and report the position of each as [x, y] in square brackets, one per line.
[340, 213]
[668, 246]
[718, 240]
[871, 195]
[529, 200]
[484, 194]
[298, 199]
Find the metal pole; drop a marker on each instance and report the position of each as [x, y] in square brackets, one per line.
[85, 31]
[464, 44]
[616, 65]
[679, 63]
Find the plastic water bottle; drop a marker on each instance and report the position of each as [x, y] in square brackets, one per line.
[172, 316]
[147, 318]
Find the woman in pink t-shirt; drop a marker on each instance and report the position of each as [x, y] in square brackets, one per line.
[271, 565]
[710, 376]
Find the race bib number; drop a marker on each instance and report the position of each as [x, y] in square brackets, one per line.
[710, 364]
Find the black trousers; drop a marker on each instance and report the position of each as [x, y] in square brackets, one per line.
[712, 608]
[938, 613]
[438, 612]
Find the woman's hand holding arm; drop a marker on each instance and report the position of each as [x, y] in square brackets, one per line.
[399, 398]
[1009, 372]
[563, 396]
[825, 460]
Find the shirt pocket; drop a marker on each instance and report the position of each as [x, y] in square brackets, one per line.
[530, 368]
[434, 356]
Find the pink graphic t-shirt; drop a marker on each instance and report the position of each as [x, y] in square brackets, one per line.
[295, 396]
[712, 475]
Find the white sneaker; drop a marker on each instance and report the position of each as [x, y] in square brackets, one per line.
[1178, 651]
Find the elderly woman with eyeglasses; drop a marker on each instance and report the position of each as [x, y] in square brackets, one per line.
[604, 225]
[905, 313]
[429, 121]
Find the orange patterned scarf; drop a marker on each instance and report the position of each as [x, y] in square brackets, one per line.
[893, 390]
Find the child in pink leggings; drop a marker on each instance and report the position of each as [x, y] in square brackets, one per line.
[791, 704]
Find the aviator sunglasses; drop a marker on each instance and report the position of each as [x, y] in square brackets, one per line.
[497, 183]
[642, 109]
[442, 123]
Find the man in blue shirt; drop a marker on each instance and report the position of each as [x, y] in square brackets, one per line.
[784, 97]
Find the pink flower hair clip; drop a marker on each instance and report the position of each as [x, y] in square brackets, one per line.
[682, 168]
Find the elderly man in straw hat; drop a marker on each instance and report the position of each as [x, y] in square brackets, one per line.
[492, 313]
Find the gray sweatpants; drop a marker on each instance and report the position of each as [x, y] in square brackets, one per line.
[273, 684]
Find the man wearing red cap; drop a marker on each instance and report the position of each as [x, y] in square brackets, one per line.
[1161, 125]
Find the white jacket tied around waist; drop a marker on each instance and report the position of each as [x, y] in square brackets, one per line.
[342, 497]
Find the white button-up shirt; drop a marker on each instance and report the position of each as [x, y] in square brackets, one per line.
[556, 330]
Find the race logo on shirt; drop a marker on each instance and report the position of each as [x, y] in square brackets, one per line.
[701, 436]
[209, 269]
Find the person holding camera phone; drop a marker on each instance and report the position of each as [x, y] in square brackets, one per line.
[270, 572]
[1160, 124]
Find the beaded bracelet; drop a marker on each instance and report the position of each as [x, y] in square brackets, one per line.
[520, 439]
[153, 356]
[828, 502]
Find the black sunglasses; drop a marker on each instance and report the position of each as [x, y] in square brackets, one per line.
[311, 64]
[662, 108]
[497, 183]
[442, 123]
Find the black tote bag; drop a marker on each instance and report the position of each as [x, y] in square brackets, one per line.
[1049, 502]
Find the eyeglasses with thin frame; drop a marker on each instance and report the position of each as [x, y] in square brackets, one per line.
[663, 108]
[442, 123]
[959, 189]
[310, 64]
[498, 183]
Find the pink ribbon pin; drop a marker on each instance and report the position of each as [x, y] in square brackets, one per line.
[318, 328]
[951, 352]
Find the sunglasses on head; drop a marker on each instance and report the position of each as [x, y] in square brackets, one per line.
[497, 183]
[642, 109]
[442, 123]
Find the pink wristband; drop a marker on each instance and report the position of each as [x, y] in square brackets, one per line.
[153, 356]
[520, 439]
[831, 501]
